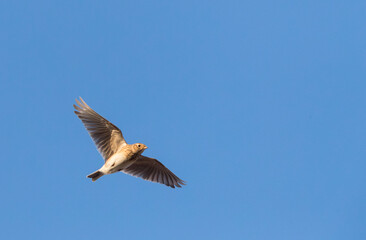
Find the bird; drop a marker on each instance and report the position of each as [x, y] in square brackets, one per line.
[119, 156]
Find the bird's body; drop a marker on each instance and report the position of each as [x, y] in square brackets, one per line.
[122, 159]
[116, 162]
[120, 156]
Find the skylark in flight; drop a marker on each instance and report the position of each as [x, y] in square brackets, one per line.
[120, 156]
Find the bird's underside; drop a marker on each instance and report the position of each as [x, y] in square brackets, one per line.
[118, 155]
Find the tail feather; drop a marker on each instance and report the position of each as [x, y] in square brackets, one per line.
[95, 175]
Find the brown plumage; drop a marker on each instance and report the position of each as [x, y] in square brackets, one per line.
[118, 155]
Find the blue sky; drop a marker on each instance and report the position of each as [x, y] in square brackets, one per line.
[259, 105]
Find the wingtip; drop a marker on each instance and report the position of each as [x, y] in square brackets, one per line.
[181, 183]
[82, 100]
[78, 102]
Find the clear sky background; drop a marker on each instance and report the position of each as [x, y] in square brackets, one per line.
[259, 105]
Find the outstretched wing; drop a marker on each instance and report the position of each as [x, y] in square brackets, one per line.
[106, 136]
[152, 170]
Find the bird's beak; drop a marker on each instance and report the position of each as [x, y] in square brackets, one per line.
[145, 147]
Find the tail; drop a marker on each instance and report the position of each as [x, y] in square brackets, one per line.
[95, 175]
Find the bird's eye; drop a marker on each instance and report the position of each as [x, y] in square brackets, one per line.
[139, 145]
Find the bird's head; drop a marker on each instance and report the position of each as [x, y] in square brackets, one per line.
[139, 148]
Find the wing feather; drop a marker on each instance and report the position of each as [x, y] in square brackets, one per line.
[107, 137]
[152, 170]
